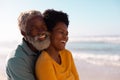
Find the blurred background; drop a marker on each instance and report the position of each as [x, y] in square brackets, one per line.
[94, 33]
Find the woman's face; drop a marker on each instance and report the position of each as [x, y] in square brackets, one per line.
[59, 36]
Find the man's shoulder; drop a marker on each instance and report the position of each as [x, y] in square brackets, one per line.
[15, 60]
[17, 53]
[19, 69]
[19, 57]
[16, 56]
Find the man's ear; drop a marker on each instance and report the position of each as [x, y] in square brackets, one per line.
[23, 33]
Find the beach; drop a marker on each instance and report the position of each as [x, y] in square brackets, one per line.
[86, 70]
[2, 67]
[89, 71]
[95, 59]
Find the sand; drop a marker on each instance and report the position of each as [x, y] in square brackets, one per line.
[89, 71]
[2, 67]
[86, 70]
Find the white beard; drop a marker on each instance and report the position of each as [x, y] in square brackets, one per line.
[39, 45]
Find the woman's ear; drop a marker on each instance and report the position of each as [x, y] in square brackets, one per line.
[49, 33]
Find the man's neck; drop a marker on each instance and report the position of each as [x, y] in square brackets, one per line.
[31, 46]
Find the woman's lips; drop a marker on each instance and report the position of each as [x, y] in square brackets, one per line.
[63, 42]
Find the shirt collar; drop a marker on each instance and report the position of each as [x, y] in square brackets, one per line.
[27, 49]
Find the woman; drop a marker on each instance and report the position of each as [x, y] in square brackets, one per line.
[56, 62]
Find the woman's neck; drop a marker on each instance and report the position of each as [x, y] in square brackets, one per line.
[54, 54]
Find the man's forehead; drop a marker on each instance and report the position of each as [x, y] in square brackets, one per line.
[36, 17]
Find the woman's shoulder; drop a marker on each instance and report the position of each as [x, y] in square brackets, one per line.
[43, 56]
[66, 52]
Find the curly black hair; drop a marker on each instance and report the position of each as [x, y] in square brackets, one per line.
[52, 17]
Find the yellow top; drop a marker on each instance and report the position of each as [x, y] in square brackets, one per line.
[48, 69]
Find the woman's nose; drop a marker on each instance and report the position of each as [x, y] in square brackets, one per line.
[65, 36]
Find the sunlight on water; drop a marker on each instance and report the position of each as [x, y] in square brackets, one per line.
[97, 50]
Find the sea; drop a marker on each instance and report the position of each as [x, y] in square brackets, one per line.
[99, 50]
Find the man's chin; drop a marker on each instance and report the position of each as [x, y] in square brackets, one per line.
[40, 45]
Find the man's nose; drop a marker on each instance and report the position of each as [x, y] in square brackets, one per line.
[42, 32]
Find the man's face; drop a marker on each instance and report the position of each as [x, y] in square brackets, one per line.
[37, 33]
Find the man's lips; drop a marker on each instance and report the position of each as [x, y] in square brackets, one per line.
[42, 36]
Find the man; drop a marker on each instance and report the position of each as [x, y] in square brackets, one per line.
[20, 64]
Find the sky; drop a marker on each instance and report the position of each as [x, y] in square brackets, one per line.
[87, 17]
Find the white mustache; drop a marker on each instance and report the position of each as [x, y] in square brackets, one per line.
[40, 45]
[42, 35]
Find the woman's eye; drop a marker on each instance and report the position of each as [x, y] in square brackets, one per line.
[63, 33]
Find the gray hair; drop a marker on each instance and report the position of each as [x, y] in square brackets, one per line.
[25, 16]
